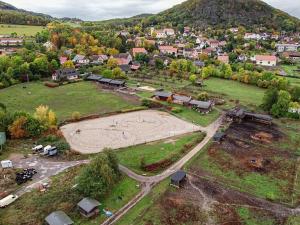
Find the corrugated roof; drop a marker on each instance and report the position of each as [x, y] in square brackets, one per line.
[201, 104]
[58, 218]
[162, 94]
[88, 204]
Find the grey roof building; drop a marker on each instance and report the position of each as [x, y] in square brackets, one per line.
[178, 178]
[88, 207]
[58, 218]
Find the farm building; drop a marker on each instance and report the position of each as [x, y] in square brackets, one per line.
[181, 99]
[201, 106]
[238, 115]
[94, 77]
[65, 74]
[58, 218]
[88, 207]
[178, 178]
[163, 96]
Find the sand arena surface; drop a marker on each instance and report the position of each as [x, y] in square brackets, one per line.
[124, 130]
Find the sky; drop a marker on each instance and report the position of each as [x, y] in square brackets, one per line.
[108, 9]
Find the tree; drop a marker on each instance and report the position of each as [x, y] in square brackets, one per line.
[112, 63]
[281, 108]
[159, 63]
[40, 66]
[117, 73]
[270, 98]
[17, 129]
[68, 64]
[100, 176]
[193, 78]
[203, 96]
[45, 116]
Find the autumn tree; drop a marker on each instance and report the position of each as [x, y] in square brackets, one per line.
[45, 116]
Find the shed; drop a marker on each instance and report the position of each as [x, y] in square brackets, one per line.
[118, 83]
[181, 99]
[58, 218]
[88, 207]
[105, 81]
[201, 106]
[219, 136]
[94, 77]
[161, 95]
[259, 117]
[178, 178]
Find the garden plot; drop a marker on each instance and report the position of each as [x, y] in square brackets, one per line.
[124, 130]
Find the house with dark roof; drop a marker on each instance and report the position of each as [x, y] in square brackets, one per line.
[201, 106]
[181, 99]
[65, 74]
[88, 207]
[162, 95]
[178, 178]
[58, 218]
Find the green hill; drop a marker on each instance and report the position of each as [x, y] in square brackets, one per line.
[227, 13]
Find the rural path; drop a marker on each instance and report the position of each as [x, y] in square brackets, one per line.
[149, 182]
[45, 169]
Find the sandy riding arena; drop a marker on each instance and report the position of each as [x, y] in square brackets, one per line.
[123, 130]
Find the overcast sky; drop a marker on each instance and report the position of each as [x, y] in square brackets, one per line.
[107, 9]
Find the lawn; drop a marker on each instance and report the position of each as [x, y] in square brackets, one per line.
[83, 97]
[248, 95]
[20, 29]
[294, 81]
[289, 69]
[33, 207]
[154, 152]
[146, 206]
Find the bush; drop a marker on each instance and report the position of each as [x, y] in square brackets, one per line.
[176, 110]
[151, 103]
[76, 115]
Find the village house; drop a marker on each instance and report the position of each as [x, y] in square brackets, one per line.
[168, 50]
[88, 207]
[187, 30]
[181, 99]
[294, 56]
[99, 59]
[208, 51]
[223, 59]
[81, 60]
[11, 41]
[213, 43]
[201, 106]
[164, 33]
[190, 53]
[252, 36]
[135, 66]
[65, 74]
[169, 31]
[162, 95]
[63, 59]
[266, 60]
[123, 58]
[234, 30]
[58, 218]
[136, 51]
[287, 47]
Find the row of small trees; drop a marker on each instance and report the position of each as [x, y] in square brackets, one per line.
[23, 125]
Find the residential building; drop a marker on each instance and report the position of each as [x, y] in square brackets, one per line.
[88, 207]
[136, 51]
[252, 36]
[287, 47]
[81, 60]
[266, 60]
[11, 41]
[223, 59]
[65, 74]
[294, 56]
[168, 50]
[123, 58]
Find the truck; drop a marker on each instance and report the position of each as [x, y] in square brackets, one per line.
[8, 200]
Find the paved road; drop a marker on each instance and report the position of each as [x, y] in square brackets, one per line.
[45, 169]
[149, 182]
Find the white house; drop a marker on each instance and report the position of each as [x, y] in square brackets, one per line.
[287, 47]
[252, 36]
[266, 60]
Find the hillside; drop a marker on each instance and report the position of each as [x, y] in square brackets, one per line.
[12, 15]
[227, 12]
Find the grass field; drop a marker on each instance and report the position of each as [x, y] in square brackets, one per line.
[157, 151]
[83, 97]
[33, 207]
[232, 90]
[289, 69]
[20, 29]
[294, 81]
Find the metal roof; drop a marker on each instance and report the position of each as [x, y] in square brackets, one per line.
[94, 77]
[182, 98]
[105, 80]
[117, 82]
[88, 204]
[201, 104]
[162, 94]
[178, 176]
[58, 218]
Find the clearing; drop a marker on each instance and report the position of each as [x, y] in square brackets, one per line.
[20, 29]
[123, 130]
[83, 97]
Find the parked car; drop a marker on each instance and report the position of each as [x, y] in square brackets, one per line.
[8, 200]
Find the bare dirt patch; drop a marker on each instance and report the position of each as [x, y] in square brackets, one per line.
[124, 130]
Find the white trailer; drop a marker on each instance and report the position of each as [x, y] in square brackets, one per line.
[8, 200]
[6, 164]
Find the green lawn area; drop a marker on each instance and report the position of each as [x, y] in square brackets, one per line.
[20, 29]
[253, 217]
[154, 152]
[135, 216]
[83, 97]
[289, 69]
[294, 81]
[248, 95]
[33, 207]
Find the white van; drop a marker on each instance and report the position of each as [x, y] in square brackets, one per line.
[6, 164]
[8, 200]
